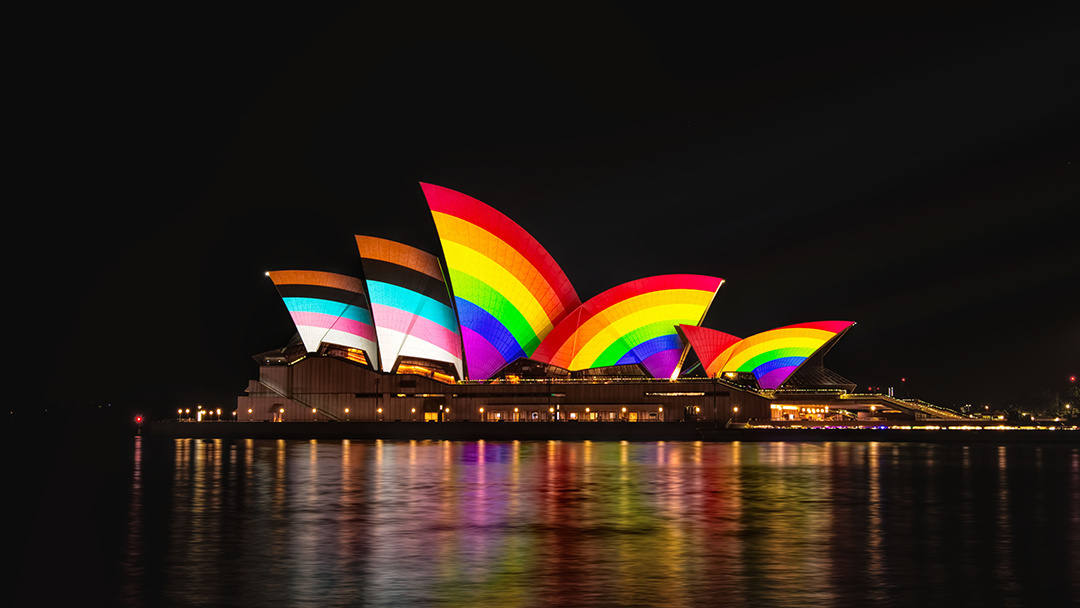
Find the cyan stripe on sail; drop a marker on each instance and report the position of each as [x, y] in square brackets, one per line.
[328, 307]
[410, 301]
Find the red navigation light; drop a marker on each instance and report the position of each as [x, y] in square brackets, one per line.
[138, 419]
[903, 379]
[1072, 378]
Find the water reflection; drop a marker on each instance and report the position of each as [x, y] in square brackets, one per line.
[329, 523]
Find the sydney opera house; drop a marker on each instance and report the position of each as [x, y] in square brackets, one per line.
[494, 331]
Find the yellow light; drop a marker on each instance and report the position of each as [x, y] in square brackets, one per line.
[346, 410]
[661, 409]
[180, 411]
[515, 409]
[380, 410]
[414, 410]
[481, 410]
[249, 410]
[187, 410]
[586, 410]
[551, 409]
[736, 409]
[282, 410]
[624, 409]
[697, 410]
[219, 411]
[313, 410]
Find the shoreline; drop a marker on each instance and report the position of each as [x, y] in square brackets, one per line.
[568, 431]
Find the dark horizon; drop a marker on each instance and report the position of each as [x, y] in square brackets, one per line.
[909, 168]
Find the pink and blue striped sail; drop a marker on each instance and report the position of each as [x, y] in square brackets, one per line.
[410, 304]
[327, 307]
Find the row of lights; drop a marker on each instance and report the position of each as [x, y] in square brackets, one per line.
[315, 411]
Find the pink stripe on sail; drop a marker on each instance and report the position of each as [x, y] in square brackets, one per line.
[418, 327]
[349, 326]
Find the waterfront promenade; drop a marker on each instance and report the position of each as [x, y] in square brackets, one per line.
[581, 431]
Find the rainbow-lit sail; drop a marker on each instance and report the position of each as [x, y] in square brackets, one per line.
[327, 307]
[632, 323]
[410, 303]
[509, 291]
[774, 355]
[712, 347]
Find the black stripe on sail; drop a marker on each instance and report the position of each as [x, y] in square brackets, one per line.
[394, 274]
[323, 293]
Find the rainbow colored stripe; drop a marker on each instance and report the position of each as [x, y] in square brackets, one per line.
[410, 303]
[632, 323]
[327, 307]
[509, 291]
[774, 355]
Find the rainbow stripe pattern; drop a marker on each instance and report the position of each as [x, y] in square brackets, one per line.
[327, 307]
[410, 303]
[632, 323]
[509, 291]
[774, 355]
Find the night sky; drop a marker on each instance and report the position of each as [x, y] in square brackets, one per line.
[910, 167]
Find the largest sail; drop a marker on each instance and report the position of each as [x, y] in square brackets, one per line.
[509, 291]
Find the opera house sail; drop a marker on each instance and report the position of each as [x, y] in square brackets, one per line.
[327, 308]
[633, 323]
[712, 347]
[771, 356]
[508, 290]
[410, 303]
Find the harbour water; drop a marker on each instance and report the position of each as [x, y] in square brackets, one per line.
[441, 523]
